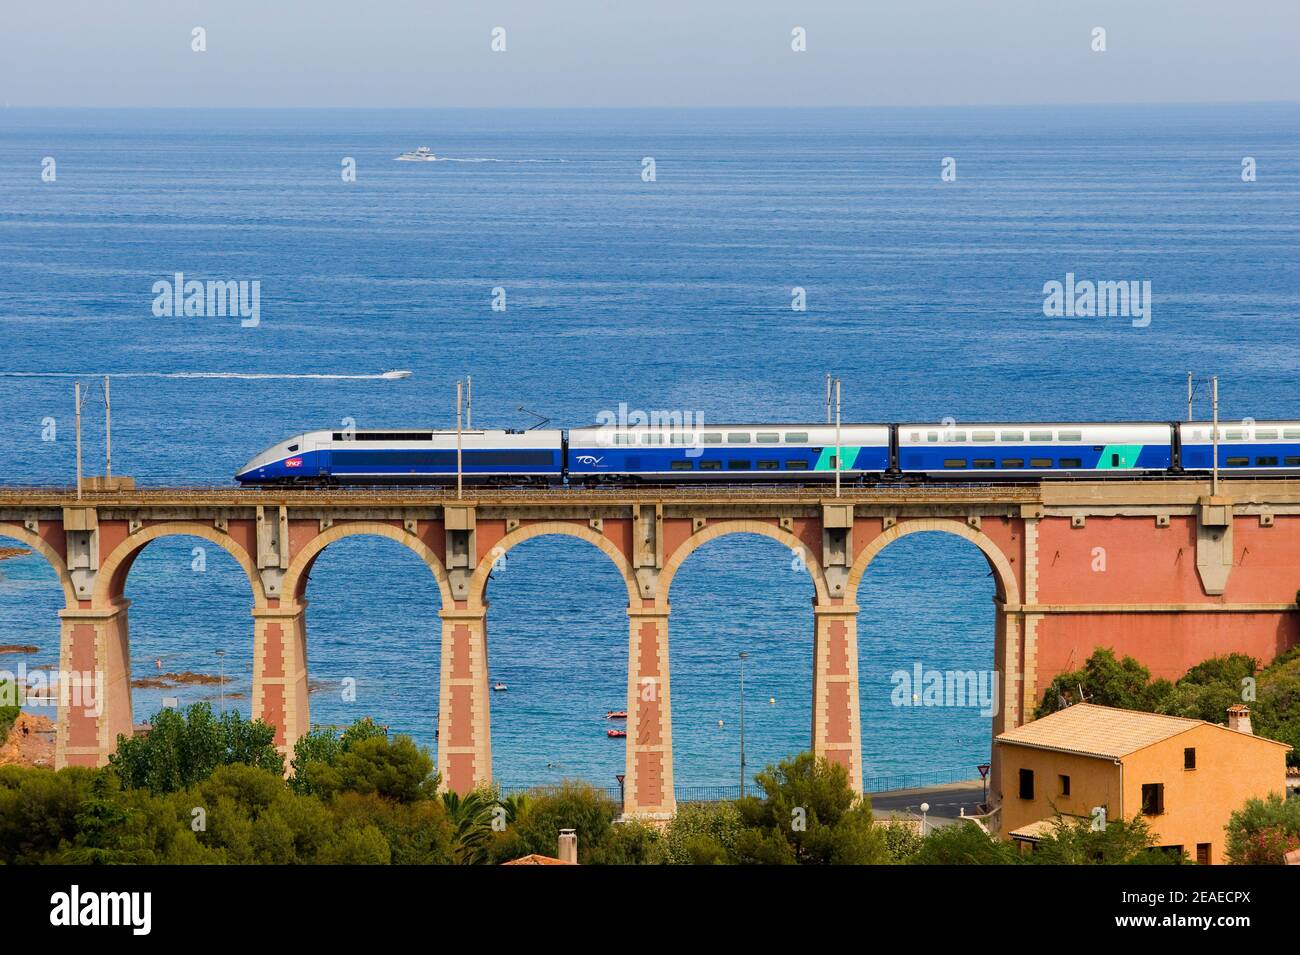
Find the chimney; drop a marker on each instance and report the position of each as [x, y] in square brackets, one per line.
[569, 846]
[1239, 719]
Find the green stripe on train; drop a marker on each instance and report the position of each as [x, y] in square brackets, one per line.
[827, 460]
[1118, 456]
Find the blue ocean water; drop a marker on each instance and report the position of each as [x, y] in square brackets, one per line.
[924, 296]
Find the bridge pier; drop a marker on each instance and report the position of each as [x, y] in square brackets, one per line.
[648, 776]
[280, 690]
[464, 720]
[836, 713]
[94, 684]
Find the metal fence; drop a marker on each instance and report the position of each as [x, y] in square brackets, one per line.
[724, 793]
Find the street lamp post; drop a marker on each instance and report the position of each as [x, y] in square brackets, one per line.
[743, 657]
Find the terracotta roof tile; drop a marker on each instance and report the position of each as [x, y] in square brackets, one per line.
[1103, 731]
[536, 859]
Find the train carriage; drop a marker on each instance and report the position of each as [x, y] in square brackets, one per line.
[1255, 446]
[726, 452]
[1020, 450]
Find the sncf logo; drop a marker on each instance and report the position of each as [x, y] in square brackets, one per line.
[293, 463]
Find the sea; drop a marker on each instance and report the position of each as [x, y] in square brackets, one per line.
[713, 262]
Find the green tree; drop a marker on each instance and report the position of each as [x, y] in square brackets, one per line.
[702, 833]
[9, 707]
[809, 815]
[393, 768]
[1106, 681]
[471, 817]
[183, 748]
[1263, 831]
[963, 844]
[571, 805]
[1074, 841]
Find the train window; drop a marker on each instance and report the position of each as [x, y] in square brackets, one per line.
[796, 465]
[683, 466]
[1236, 434]
[1071, 462]
[769, 465]
[984, 463]
[735, 465]
[1114, 460]
[916, 436]
[652, 439]
[1291, 433]
[768, 437]
[1069, 435]
[1040, 436]
[955, 437]
[621, 438]
[1013, 462]
[932, 436]
[1266, 462]
[954, 462]
[710, 465]
[1293, 462]
[1041, 463]
[293, 448]
[711, 437]
[796, 437]
[1013, 436]
[984, 436]
[1266, 434]
[1238, 462]
[737, 437]
[680, 437]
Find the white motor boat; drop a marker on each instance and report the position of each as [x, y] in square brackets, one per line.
[423, 154]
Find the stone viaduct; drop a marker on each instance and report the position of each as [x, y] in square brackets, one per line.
[1160, 570]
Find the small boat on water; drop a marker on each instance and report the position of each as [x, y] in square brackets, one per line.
[499, 687]
[616, 715]
[423, 154]
[616, 734]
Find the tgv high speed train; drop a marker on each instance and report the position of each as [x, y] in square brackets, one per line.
[779, 453]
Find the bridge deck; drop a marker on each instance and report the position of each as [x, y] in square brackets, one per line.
[1048, 493]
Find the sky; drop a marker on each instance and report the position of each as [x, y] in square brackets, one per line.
[625, 53]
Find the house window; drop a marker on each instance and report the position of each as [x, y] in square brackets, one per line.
[1065, 785]
[1026, 784]
[1153, 799]
[1202, 853]
[1189, 757]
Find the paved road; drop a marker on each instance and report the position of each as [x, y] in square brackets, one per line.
[946, 801]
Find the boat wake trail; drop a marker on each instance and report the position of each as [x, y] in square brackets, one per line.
[385, 376]
[508, 161]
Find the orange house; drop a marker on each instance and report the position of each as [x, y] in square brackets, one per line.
[1184, 777]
